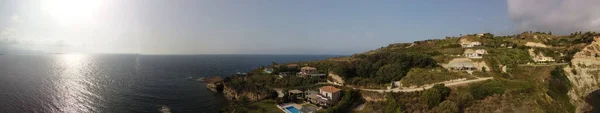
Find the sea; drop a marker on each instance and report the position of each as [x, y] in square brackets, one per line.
[121, 83]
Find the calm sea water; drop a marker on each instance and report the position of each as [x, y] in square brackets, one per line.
[120, 83]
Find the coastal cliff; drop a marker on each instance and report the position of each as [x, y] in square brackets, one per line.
[235, 94]
[214, 83]
[584, 74]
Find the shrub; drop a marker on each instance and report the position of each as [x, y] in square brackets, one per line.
[431, 97]
[446, 107]
[464, 99]
[487, 89]
[443, 90]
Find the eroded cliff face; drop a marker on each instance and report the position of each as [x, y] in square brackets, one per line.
[238, 95]
[584, 74]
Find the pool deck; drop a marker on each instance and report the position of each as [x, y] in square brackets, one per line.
[285, 105]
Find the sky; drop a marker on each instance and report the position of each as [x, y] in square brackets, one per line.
[270, 26]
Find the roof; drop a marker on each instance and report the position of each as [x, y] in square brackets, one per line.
[469, 51]
[295, 91]
[461, 63]
[478, 51]
[329, 89]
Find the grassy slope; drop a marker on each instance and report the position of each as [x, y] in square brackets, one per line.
[265, 106]
[527, 88]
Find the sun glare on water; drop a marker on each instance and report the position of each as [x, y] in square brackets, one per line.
[73, 12]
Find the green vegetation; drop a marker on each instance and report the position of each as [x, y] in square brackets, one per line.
[520, 88]
[446, 107]
[432, 97]
[392, 106]
[265, 106]
[420, 76]
[558, 87]
[382, 67]
[489, 88]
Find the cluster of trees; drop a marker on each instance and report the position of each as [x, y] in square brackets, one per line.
[383, 67]
[392, 105]
[420, 76]
[480, 91]
[432, 97]
[247, 84]
[295, 81]
[587, 37]
[558, 89]
[284, 68]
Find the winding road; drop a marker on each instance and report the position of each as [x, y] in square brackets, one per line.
[404, 89]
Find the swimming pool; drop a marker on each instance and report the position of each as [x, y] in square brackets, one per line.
[291, 109]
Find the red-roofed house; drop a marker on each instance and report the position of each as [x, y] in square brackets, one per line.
[327, 96]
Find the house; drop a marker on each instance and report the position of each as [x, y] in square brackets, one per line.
[479, 34]
[470, 44]
[540, 57]
[543, 59]
[317, 75]
[307, 70]
[469, 53]
[296, 94]
[268, 70]
[462, 66]
[327, 96]
[284, 74]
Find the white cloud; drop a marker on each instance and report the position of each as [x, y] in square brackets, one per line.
[16, 18]
[559, 16]
[8, 33]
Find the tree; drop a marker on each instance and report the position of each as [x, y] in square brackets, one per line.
[392, 71]
[483, 69]
[446, 107]
[488, 35]
[443, 90]
[464, 99]
[392, 106]
[487, 89]
[431, 97]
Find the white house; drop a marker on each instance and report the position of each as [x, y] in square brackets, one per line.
[470, 44]
[542, 59]
[480, 34]
[470, 53]
[327, 96]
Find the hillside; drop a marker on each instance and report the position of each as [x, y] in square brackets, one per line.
[529, 72]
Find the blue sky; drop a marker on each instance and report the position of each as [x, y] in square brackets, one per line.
[251, 26]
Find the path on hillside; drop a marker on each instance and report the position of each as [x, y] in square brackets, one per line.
[422, 87]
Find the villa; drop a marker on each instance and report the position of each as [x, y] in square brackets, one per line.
[268, 70]
[480, 34]
[467, 44]
[306, 71]
[462, 66]
[284, 74]
[543, 59]
[469, 53]
[296, 93]
[327, 96]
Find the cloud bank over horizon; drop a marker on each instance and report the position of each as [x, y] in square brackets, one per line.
[558, 16]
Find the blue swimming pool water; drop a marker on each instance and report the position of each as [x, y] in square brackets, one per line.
[291, 109]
